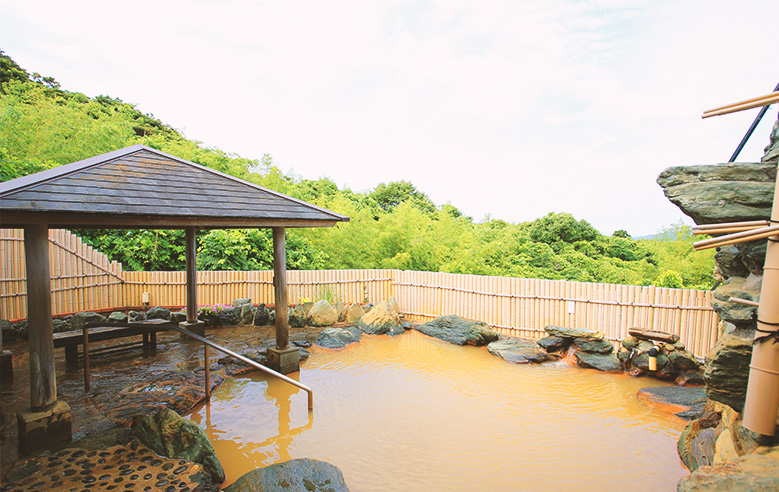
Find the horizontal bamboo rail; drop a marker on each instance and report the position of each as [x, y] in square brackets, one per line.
[755, 102]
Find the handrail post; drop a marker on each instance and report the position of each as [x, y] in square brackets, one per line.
[208, 373]
[250, 362]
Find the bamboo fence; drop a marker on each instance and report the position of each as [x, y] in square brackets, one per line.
[83, 279]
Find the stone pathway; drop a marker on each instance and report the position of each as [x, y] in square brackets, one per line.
[122, 468]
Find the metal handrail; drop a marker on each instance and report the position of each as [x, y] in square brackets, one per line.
[247, 361]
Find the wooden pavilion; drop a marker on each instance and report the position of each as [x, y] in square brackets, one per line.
[136, 188]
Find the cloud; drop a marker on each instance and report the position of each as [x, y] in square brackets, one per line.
[507, 108]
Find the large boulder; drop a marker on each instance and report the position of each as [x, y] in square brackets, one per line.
[601, 362]
[560, 331]
[459, 331]
[246, 314]
[380, 321]
[157, 312]
[744, 288]
[727, 370]
[335, 338]
[261, 315]
[594, 346]
[754, 473]
[168, 434]
[58, 326]
[300, 475]
[729, 262]
[78, 320]
[554, 344]
[322, 314]
[393, 304]
[9, 332]
[226, 317]
[117, 318]
[718, 193]
[297, 316]
[519, 351]
[241, 302]
[354, 313]
[340, 308]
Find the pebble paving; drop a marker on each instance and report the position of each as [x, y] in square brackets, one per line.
[133, 467]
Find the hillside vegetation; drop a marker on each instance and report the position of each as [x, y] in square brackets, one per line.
[394, 225]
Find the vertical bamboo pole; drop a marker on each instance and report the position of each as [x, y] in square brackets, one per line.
[762, 400]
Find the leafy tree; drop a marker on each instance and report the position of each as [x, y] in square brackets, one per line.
[554, 229]
[389, 196]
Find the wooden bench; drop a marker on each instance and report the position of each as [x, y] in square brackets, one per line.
[70, 340]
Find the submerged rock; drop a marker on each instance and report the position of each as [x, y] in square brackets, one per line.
[168, 434]
[335, 338]
[303, 475]
[520, 351]
[459, 331]
[380, 321]
[686, 403]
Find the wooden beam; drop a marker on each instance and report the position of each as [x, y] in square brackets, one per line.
[191, 258]
[280, 287]
[43, 377]
[14, 219]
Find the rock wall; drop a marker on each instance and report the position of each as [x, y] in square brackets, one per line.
[713, 194]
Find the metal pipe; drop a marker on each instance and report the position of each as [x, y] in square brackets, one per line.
[759, 117]
[207, 361]
[251, 363]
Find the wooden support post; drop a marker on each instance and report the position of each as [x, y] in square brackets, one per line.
[280, 287]
[43, 378]
[191, 258]
[48, 421]
[87, 379]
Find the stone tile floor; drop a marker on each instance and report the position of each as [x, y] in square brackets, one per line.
[126, 383]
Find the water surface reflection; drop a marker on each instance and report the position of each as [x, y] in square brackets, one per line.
[414, 413]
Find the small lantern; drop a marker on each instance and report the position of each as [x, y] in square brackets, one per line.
[145, 300]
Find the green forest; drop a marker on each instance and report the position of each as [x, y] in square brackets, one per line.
[394, 225]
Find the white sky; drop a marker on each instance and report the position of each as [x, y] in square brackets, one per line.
[513, 109]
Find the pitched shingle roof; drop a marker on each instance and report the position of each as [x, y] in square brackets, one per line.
[142, 187]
